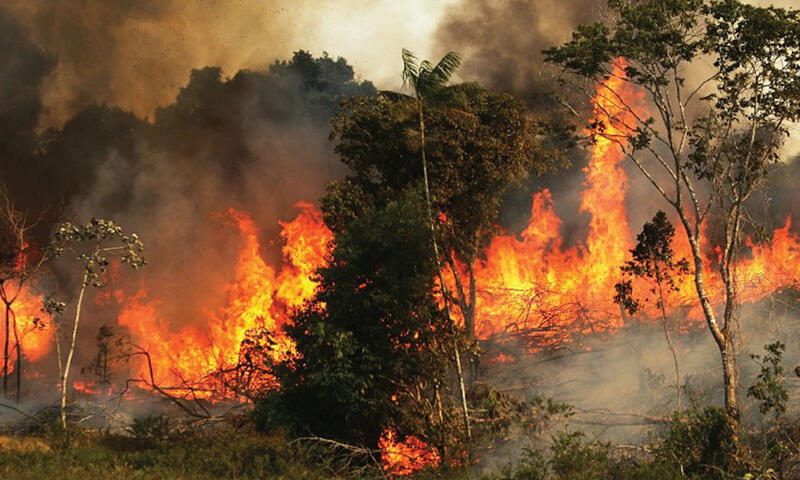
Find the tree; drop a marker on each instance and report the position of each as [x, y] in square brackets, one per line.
[653, 259]
[707, 149]
[428, 82]
[91, 244]
[371, 345]
[18, 266]
[479, 144]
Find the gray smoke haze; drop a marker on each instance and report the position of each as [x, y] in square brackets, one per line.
[136, 54]
[502, 41]
[620, 382]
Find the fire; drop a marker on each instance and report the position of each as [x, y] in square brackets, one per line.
[34, 327]
[528, 284]
[406, 457]
[88, 388]
[258, 300]
[531, 285]
[534, 285]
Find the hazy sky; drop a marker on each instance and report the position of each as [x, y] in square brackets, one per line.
[137, 54]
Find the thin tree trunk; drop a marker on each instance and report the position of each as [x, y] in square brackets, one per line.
[5, 351]
[729, 367]
[722, 338]
[469, 315]
[664, 319]
[18, 348]
[459, 370]
[65, 374]
[463, 394]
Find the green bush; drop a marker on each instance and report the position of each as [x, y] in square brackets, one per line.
[703, 444]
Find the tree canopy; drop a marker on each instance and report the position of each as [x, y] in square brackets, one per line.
[371, 337]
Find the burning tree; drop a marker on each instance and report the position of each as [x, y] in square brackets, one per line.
[18, 267]
[372, 345]
[91, 244]
[724, 80]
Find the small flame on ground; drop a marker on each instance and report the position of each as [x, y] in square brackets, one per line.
[406, 457]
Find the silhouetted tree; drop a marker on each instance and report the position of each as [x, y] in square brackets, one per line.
[653, 259]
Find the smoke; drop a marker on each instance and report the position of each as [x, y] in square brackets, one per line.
[257, 142]
[23, 67]
[502, 41]
[619, 383]
[136, 55]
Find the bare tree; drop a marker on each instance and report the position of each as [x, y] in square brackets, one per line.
[18, 267]
[91, 244]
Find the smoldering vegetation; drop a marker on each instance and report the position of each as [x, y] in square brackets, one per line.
[622, 382]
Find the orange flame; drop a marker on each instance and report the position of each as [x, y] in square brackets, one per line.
[258, 299]
[532, 286]
[33, 326]
[406, 457]
[531, 283]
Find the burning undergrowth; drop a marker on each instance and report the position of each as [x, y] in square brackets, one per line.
[532, 289]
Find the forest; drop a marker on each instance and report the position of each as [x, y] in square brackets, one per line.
[575, 258]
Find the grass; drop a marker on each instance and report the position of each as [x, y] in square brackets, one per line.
[217, 454]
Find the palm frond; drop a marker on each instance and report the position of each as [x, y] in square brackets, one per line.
[445, 69]
[425, 67]
[410, 69]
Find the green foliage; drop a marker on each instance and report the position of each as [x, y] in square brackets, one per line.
[703, 444]
[532, 465]
[769, 388]
[571, 457]
[151, 427]
[426, 79]
[371, 343]
[475, 151]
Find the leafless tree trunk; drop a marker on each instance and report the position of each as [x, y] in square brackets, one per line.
[15, 276]
[457, 354]
[65, 372]
[665, 324]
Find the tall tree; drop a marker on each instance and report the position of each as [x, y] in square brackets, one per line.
[428, 82]
[91, 244]
[714, 133]
[372, 344]
[478, 144]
